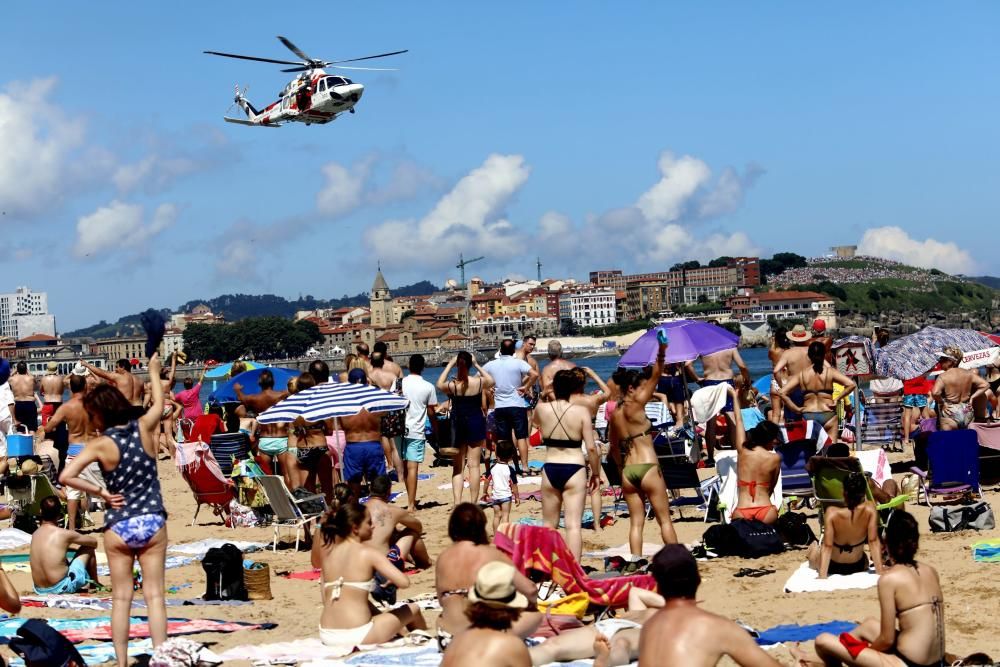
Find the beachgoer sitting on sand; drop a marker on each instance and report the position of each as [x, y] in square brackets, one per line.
[456, 573]
[348, 576]
[910, 596]
[612, 641]
[565, 429]
[631, 435]
[395, 532]
[682, 634]
[758, 467]
[494, 606]
[960, 393]
[50, 572]
[846, 531]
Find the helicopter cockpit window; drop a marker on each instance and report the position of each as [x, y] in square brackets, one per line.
[335, 81]
[322, 85]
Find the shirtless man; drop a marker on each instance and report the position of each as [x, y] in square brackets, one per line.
[363, 455]
[26, 402]
[384, 377]
[682, 634]
[272, 438]
[395, 532]
[129, 385]
[50, 573]
[524, 353]
[792, 361]
[52, 387]
[718, 368]
[556, 364]
[959, 393]
[389, 365]
[364, 354]
[72, 417]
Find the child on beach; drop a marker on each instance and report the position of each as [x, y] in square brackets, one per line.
[502, 486]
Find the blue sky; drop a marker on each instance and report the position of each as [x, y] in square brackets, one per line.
[592, 135]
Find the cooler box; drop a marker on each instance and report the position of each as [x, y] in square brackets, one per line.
[19, 444]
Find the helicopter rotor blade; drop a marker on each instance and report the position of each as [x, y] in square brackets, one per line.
[370, 69]
[380, 55]
[303, 68]
[262, 60]
[296, 50]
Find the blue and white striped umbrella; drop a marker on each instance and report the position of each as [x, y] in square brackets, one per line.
[332, 399]
[912, 356]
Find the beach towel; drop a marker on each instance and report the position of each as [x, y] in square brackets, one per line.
[543, 549]
[806, 580]
[304, 575]
[200, 548]
[987, 434]
[170, 563]
[96, 654]
[986, 551]
[709, 401]
[104, 603]
[876, 462]
[792, 632]
[313, 651]
[79, 629]
[392, 496]
[648, 549]
[13, 538]
[725, 467]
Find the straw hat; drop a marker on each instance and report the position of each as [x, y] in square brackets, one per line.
[799, 334]
[495, 587]
[53, 367]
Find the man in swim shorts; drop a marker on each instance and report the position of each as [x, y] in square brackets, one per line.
[363, 455]
[395, 532]
[25, 401]
[682, 634]
[50, 572]
[273, 438]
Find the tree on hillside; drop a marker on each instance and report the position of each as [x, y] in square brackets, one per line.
[683, 266]
[720, 261]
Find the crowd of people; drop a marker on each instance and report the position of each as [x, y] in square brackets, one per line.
[112, 429]
[873, 268]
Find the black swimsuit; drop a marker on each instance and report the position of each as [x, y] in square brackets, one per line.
[560, 473]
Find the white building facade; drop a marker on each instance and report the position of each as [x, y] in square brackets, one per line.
[589, 308]
[24, 313]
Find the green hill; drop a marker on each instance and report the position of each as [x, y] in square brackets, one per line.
[989, 281]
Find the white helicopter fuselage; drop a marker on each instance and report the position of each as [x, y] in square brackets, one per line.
[316, 97]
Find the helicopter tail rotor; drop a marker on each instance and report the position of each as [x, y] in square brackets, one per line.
[241, 101]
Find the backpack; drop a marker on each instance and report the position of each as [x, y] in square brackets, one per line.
[794, 530]
[721, 539]
[756, 538]
[224, 573]
[41, 645]
[315, 504]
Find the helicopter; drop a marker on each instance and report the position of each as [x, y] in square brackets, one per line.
[311, 97]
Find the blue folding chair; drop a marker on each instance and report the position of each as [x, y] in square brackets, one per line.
[795, 480]
[228, 448]
[953, 464]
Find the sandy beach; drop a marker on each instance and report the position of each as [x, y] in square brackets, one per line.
[971, 589]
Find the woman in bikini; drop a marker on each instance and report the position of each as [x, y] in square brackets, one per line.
[846, 531]
[632, 450]
[468, 416]
[135, 521]
[910, 632]
[957, 392]
[567, 431]
[348, 575]
[307, 444]
[779, 344]
[816, 383]
[593, 403]
[758, 467]
[455, 574]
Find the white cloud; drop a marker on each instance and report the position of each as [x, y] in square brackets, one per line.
[896, 244]
[343, 187]
[36, 142]
[153, 172]
[468, 216]
[407, 180]
[119, 226]
[729, 191]
[680, 179]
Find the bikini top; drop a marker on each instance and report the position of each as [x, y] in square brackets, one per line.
[463, 592]
[338, 586]
[847, 548]
[752, 487]
[564, 443]
[817, 391]
[629, 439]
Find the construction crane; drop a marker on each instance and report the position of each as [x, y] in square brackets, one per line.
[538, 265]
[462, 262]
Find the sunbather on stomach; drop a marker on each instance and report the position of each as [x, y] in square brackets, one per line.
[846, 531]
[632, 449]
[757, 467]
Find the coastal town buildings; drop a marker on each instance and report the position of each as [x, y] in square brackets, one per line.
[24, 313]
[589, 308]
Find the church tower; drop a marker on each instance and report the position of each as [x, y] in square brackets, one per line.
[380, 302]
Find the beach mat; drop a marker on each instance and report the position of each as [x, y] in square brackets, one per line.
[313, 650]
[96, 654]
[104, 603]
[806, 580]
[13, 538]
[200, 548]
[80, 630]
[648, 549]
[792, 632]
[170, 563]
[986, 551]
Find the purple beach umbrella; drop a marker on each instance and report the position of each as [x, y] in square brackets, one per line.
[689, 339]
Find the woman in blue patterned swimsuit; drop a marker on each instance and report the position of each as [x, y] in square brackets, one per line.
[135, 521]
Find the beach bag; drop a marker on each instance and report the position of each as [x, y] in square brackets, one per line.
[41, 645]
[224, 573]
[756, 538]
[315, 505]
[257, 579]
[794, 530]
[571, 605]
[949, 518]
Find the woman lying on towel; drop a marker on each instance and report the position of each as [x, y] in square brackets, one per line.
[456, 572]
[349, 569]
[846, 531]
[910, 596]
[757, 467]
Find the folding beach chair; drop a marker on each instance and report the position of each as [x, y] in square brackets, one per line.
[659, 414]
[828, 474]
[203, 474]
[882, 424]
[601, 422]
[287, 513]
[614, 476]
[227, 448]
[680, 474]
[953, 464]
[795, 480]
